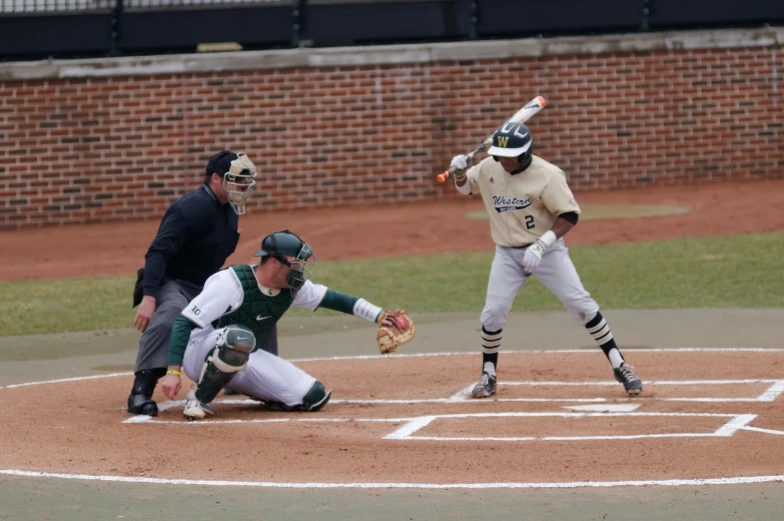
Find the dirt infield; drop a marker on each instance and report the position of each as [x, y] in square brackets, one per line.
[397, 230]
[559, 420]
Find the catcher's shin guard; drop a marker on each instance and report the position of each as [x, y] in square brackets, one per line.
[229, 357]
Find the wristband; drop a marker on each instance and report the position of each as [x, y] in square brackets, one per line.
[548, 238]
[172, 371]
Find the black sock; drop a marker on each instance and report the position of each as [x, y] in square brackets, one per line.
[599, 329]
[492, 358]
[491, 344]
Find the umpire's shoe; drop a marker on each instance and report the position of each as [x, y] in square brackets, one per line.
[140, 401]
[484, 387]
[626, 376]
[141, 404]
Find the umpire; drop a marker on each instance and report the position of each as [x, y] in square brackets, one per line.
[196, 236]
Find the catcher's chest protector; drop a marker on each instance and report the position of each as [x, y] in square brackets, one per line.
[258, 312]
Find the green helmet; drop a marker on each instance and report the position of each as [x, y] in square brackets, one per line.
[284, 244]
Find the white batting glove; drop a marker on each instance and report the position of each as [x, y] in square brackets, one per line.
[532, 257]
[459, 162]
[533, 254]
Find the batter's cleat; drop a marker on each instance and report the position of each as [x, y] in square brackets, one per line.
[626, 376]
[194, 409]
[484, 387]
[142, 404]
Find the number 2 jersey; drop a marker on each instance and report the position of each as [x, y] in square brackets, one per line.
[523, 206]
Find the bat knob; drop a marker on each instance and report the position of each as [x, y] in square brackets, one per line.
[442, 177]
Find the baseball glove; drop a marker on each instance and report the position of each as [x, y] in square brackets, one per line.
[402, 330]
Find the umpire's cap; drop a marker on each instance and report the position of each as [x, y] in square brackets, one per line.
[219, 163]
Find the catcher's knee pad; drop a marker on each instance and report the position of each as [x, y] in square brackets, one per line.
[229, 357]
[316, 398]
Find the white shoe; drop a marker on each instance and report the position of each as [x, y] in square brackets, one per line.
[194, 409]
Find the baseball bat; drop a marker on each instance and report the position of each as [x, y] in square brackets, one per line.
[521, 116]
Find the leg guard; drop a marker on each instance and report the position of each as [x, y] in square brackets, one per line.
[229, 357]
[316, 398]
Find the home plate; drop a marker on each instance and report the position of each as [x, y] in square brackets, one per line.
[619, 407]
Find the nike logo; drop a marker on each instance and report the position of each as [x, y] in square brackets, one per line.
[260, 318]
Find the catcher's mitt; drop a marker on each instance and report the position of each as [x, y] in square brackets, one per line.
[402, 330]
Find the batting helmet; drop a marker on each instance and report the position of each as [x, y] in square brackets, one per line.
[512, 140]
[283, 245]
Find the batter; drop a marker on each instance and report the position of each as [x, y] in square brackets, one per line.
[531, 208]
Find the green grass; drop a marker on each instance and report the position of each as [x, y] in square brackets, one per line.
[715, 272]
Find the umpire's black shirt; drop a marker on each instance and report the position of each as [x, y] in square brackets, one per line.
[196, 236]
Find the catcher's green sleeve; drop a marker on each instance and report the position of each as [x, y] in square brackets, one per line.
[350, 305]
[339, 302]
[181, 333]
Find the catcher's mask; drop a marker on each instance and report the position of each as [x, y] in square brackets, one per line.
[512, 140]
[238, 173]
[291, 251]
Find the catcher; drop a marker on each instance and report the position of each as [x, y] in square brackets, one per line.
[214, 338]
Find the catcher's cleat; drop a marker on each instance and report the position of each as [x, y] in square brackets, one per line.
[484, 387]
[306, 406]
[626, 376]
[195, 409]
[142, 404]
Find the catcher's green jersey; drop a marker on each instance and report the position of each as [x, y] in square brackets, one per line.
[234, 296]
[258, 311]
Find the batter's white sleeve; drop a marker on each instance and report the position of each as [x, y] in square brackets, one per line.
[309, 296]
[221, 292]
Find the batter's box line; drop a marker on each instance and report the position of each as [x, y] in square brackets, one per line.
[769, 395]
[735, 423]
[411, 425]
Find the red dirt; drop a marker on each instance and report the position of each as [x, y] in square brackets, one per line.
[397, 230]
[355, 450]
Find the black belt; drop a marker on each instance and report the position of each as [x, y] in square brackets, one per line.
[523, 246]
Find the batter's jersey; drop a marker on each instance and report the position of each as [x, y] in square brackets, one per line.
[233, 296]
[522, 207]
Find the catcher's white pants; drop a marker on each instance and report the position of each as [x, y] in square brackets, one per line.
[556, 271]
[266, 376]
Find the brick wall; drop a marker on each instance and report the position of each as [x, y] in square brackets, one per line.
[120, 146]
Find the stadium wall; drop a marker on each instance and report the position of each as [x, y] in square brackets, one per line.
[120, 138]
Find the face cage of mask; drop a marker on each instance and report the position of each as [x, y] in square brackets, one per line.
[239, 192]
[298, 273]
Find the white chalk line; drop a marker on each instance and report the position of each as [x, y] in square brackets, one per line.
[413, 424]
[416, 355]
[406, 432]
[360, 485]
